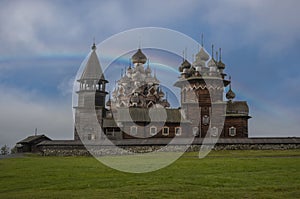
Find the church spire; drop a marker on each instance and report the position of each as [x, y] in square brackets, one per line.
[92, 69]
[94, 45]
[212, 51]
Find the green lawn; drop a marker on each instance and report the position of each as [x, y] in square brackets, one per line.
[223, 174]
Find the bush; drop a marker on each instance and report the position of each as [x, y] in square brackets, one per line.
[4, 150]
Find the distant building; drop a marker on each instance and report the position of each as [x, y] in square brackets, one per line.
[30, 143]
[202, 86]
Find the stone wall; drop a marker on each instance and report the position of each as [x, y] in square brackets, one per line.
[80, 150]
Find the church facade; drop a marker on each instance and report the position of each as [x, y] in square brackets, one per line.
[138, 107]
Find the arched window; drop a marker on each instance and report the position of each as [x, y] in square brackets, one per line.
[89, 137]
[214, 131]
[165, 130]
[177, 131]
[153, 130]
[232, 131]
[205, 120]
[133, 130]
[195, 130]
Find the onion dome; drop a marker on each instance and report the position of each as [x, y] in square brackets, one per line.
[221, 65]
[94, 46]
[185, 64]
[148, 70]
[124, 79]
[199, 63]
[136, 76]
[152, 80]
[161, 93]
[192, 70]
[180, 69]
[230, 95]
[155, 80]
[129, 70]
[139, 57]
[211, 63]
[202, 55]
[165, 103]
[149, 80]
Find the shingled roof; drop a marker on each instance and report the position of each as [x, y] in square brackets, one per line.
[92, 69]
[33, 138]
[237, 107]
[143, 115]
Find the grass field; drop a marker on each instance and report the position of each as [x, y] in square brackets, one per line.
[223, 174]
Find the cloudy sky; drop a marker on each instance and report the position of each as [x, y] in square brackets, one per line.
[43, 43]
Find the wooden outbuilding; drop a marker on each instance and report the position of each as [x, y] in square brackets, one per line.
[29, 144]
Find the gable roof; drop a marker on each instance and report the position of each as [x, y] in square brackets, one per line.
[31, 139]
[143, 115]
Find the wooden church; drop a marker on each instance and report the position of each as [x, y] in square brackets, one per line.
[138, 108]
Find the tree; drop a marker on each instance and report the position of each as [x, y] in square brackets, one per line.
[4, 150]
[13, 150]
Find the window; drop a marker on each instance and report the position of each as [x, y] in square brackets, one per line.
[205, 120]
[153, 130]
[89, 136]
[165, 131]
[150, 104]
[133, 130]
[177, 131]
[214, 131]
[232, 131]
[196, 131]
[184, 95]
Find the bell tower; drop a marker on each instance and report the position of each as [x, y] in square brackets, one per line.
[91, 100]
[202, 84]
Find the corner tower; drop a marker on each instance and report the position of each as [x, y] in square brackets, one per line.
[90, 110]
